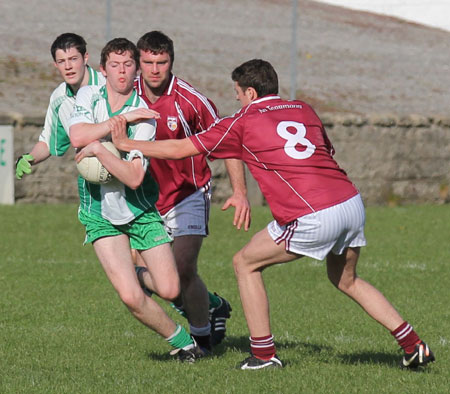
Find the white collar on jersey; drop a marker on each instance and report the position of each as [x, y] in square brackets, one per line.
[265, 98]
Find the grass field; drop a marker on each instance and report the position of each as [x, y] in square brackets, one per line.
[64, 330]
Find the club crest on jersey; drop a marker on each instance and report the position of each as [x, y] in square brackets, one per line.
[172, 123]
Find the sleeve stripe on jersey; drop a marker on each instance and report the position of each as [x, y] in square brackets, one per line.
[187, 133]
[225, 134]
[186, 128]
[188, 101]
[200, 96]
[231, 125]
[201, 143]
[54, 127]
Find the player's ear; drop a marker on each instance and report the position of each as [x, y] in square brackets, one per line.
[86, 58]
[102, 70]
[251, 93]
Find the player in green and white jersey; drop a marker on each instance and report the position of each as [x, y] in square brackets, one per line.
[70, 58]
[112, 201]
[121, 215]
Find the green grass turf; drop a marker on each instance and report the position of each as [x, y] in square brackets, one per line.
[64, 330]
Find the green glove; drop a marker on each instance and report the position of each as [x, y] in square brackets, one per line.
[23, 165]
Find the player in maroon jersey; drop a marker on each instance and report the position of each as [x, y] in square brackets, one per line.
[318, 211]
[184, 185]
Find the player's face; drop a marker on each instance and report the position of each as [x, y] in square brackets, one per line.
[155, 69]
[120, 72]
[241, 95]
[71, 64]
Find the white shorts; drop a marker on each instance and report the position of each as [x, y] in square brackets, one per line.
[332, 229]
[190, 216]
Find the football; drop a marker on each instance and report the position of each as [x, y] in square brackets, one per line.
[92, 170]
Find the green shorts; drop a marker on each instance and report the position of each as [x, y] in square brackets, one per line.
[145, 232]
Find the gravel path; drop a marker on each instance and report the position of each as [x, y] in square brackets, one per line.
[348, 61]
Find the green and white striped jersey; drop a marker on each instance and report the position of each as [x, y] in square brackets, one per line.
[115, 201]
[56, 127]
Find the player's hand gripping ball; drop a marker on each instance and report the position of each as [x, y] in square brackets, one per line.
[91, 169]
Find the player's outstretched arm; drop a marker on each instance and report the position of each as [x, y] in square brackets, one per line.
[82, 134]
[167, 149]
[239, 200]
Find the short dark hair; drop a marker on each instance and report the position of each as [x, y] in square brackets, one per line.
[66, 41]
[119, 46]
[156, 42]
[257, 74]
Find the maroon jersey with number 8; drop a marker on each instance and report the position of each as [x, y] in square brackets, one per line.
[285, 147]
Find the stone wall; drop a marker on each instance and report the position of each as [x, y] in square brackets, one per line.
[392, 160]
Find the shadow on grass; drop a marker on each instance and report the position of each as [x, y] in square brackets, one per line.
[230, 342]
[160, 356]
[242, 344]
[380, 358]
[321, 353]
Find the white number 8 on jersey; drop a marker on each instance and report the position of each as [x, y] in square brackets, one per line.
[293, 139]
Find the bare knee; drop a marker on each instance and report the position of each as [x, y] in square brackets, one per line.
[239, 264]
[133, 299]
[345, 285]
[339, 280]
[245, 264]
[169, 290]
